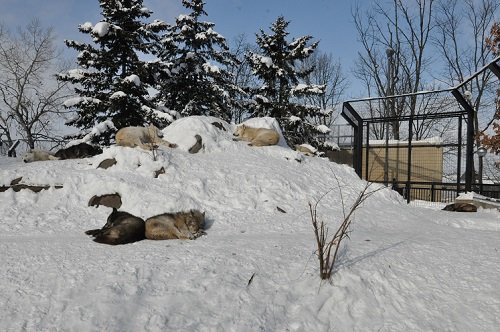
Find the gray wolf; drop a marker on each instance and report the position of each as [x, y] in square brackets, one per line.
[120, 228]
[256, 136]
[460, 207]
[179, 225]
[77, 151]
[38, 155]
[144, 137]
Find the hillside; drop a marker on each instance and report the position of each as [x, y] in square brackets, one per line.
[403, 268]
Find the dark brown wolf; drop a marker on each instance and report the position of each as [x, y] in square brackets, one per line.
[82, 150]
[121, 228]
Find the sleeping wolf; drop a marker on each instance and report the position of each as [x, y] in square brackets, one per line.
[81, 150]
[120, 228]
[144, 137]
[179, 225]
[256, 136]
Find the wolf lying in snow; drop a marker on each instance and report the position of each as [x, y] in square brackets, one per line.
[144, 137]
[120, 228]
[38, 155]
[306, 149]
[180, 225]
[81, 150]
[256, 136]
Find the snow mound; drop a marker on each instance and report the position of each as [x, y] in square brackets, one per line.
[216, 134]
[214, 139]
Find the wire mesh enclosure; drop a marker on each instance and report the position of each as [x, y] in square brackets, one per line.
[412, 139]
[422, 143]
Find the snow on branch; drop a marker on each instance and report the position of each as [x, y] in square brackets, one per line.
[308, 89]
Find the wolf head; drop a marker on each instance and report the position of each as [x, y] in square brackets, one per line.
[29, 157]
[239, 130]
[195, 220]
[153, 131]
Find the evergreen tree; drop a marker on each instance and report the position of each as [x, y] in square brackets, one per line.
[112, 81]
[194, 81]
[278, 67]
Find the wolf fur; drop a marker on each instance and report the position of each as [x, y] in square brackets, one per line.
[256, 136]
[144, 137]
[306, 149]
[78, 151]
[120, 228]
[179, 225]
[38, 155]
[460, 207]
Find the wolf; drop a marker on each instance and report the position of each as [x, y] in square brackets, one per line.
[306, 149]
[256, 136]
[179, 225]
[460, 207]
[144, 137]
[78, 151]
[120, 228]
[38, 155]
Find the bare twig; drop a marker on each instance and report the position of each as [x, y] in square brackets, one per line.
[327, 245]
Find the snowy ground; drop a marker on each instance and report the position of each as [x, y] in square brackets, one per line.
[404, 268]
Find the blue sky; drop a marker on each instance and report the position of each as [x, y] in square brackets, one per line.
[328, 21]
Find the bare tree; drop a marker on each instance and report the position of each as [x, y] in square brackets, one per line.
[327, 71]
[462, 30]
[243, 77]
[393, 61]
[31, 97]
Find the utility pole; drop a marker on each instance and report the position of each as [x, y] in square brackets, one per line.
[390, 108]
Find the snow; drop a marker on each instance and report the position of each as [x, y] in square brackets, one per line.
[309, 147]
[263, 59]
[133, 79]
[300, 87]
[117, 95]
[184, 17]
[76, 73]
[466, 196]
[308, 88]
[77, 100]
[323, 129]
[96, 131]
[101, 29]
[403, 267]
[331, 145]
[209, 68]
[87, 26]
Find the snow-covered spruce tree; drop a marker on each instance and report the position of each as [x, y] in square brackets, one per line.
[112, 81]
[195, 82]
[278, 67]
